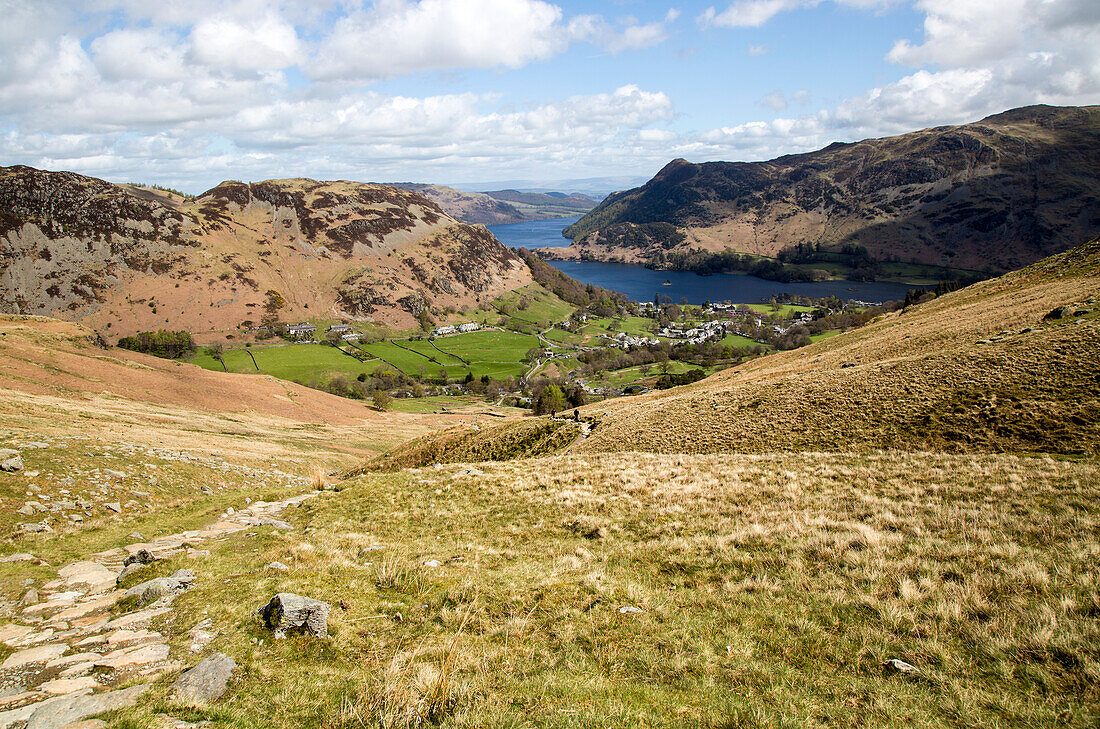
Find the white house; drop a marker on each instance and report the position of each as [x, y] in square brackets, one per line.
[300, 329]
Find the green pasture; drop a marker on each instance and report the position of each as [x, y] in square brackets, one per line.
[302, 362]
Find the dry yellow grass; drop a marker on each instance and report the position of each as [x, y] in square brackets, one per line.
[977, 369]
[769, 591]
[53, 380]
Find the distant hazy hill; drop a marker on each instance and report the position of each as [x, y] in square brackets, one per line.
[129, 258]
[502, 206]
[985, 368]
[993, 195]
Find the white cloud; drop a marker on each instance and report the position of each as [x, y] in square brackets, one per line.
[776, 100]
[139, 54]
[398, 37]
[756, 49]
[755, 13]
[749, 13]
[264, 45]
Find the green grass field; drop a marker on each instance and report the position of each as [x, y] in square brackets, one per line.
[563, 337]
[824, 335]
[784, 310]
[620, 378]
[408, 362]
[303, 362]
[493, 353]
[434, 403]
[542, 305]
[736, 340]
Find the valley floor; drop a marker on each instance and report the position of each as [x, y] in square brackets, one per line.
[615, 590]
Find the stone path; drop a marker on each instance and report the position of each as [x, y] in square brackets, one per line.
[75, 659]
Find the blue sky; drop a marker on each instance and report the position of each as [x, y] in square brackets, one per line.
[472, 91]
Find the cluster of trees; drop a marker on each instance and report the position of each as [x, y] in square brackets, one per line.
[599, 301]
[706, 263]
[552, 396]
[919, 296]
[162, 343]
[667, 380]
[641, 235]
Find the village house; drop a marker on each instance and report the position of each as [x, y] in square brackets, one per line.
[339, 328]
[301, 329]
[471, 326]
[443, 330]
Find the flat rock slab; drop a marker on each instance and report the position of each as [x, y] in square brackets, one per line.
[122, 637]
[21, 697]
[12, 633]
[141, 617]
[90, 607]
[64, 686]
[140, 656]
[92, 575]
[206, 681]
[63, 710]
[41, 654]
[71, 659]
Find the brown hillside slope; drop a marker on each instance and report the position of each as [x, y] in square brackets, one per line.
[995, 194]
[54, 379]
[977, 369]
[125, 259]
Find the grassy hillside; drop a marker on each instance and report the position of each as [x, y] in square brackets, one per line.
[995, 195]
[649, 590]
[979, 369]
[584, 589]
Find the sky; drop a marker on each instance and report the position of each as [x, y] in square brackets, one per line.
[466, 92]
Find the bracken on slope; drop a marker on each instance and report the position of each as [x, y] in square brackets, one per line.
[135, 258]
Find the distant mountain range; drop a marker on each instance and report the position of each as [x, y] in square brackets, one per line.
[595, 187]
[126, 258]
[501, 206]
[993, 195]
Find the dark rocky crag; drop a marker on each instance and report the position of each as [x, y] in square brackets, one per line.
[993, 195]
[133, 258]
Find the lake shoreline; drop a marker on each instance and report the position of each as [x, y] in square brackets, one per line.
[645, 284]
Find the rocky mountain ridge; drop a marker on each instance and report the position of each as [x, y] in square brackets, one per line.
[993, 195]
[130, 258]
[501, 206]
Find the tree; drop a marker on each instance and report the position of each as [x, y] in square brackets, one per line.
[381, 399]
[216, 353]
[551, 400]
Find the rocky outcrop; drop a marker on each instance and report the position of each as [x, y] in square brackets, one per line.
[206, 681]
[288, 612]
[134, 259]
[66, 239]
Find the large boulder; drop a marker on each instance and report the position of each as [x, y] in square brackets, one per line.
[289, 612]
[206, 681]
[152, 590]
[64, 710]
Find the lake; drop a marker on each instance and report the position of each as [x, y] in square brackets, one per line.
[534, 234]
[642, 284]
